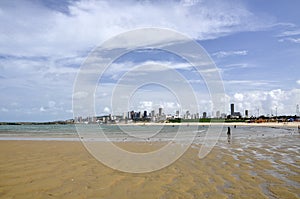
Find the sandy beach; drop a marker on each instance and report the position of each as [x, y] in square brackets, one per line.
[58, 169]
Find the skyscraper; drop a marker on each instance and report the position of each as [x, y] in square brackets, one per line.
[231, 109]
[160, 111]
[152, 113]
[218, 114]
[246, 113]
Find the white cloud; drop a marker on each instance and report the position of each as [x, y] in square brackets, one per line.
[246, 83]
[239, 97]
[91, 22]
[289, 33]
[222, 54]
[267, 101]
[229, 67]
[290, 39]
[42, 109]
[146, 105]
[298, 81]
[80, 95]
[290, 36]
[252, 100]
[106, 110]
[4, 109]
[42, 54]
[116, 69]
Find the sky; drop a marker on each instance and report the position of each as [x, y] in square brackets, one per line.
[255, 46]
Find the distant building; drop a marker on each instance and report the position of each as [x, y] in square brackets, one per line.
[234, 114]
[132, 115]
[246, 113]
[223, 115]
[78, 119]
[231, 109]
[152, 113]
[153, 118]
[204, 115]
[218, 114]
[187, 115]
[160, 112]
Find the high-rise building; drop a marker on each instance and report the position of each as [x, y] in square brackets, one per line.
[218, 114]
[153, 116]
[204, 115]
[152, 113]
[231, 109]
[187, 115]
[132, 115]
[246, 113]
[145, 114]
[160, 111]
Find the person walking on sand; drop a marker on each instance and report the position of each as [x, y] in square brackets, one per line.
[228, 134]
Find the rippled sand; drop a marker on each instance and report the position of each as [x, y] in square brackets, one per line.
[57, 169]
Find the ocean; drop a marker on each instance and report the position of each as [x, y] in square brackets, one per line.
[72, 132]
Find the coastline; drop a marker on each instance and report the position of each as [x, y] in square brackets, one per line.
[261, 124]
[58, 133]
[266, 124]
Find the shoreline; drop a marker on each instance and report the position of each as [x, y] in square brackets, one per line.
[260, 124]
[267, 124]
[75, 137]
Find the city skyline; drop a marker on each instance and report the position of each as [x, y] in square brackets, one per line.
[255, 46]
[160, 116]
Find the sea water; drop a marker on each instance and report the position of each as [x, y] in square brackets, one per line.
[199, 133]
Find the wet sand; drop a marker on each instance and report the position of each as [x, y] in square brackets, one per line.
[58, 169]
[264, 124]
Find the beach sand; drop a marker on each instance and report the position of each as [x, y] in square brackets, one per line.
[263, 124]
[58, 169]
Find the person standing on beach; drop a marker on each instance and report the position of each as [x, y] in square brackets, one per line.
[228, 134]
[298, 128]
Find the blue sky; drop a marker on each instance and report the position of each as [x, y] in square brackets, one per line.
[255, 45]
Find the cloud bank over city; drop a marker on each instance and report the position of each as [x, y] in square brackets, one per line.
[255, 46]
